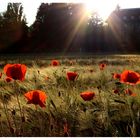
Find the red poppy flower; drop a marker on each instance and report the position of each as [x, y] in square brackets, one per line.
[8, 79]
[66, 129]
[116, 76]
[71, 76]
[87, 95]
[102, 66]
[129, 92]
[130, 77]
[0, 74]
[55, 63]
[15, 71]
[36, 97]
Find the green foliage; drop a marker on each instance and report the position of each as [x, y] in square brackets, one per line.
[12, 24]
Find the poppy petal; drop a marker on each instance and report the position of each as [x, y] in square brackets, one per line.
[36, 97]
[23, 69]
[6, 67]
[29, 95]
[42, 96]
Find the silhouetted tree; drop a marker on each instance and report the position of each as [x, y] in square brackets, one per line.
[63, 27]
[95, 33]
[12, 28]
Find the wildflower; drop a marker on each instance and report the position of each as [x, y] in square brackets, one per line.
[102, 66]
[71, 76]
[130, 77]
[129, 92]
[87, 95]
[0, 74]
[36, 97]
[8, 79]
[15, 71]
[55, 63]
[116, 76]
[66, 134]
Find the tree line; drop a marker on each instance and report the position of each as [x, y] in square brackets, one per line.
[58, 27]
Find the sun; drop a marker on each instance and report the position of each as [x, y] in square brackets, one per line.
[103, 8]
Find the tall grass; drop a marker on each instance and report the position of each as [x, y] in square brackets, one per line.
[108, 114]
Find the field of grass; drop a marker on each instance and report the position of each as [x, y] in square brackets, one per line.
[66, 113]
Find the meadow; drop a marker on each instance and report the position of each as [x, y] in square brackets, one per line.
[113, 111]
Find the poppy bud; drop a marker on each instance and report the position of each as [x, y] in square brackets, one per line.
[99, 87]
[0, 74]
[59, 93]
[84, 109]
[117, 83]
[116, 91]
[38, 72]
[8, 79]
[55, 63]
[13, 112]
[5, 97]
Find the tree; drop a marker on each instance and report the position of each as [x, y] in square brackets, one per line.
[12, 27]
[64, 27]
[94, 33]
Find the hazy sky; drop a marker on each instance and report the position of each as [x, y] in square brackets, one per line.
[30, 6]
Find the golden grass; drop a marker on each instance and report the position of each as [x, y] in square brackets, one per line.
[108, 114]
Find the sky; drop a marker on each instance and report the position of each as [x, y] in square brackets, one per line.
[104, 6]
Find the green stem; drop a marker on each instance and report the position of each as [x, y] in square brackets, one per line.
[133, 128]
[17, 90]
[101, 103]
[39, 123]
[6, 113]
[1, 133]
[19, 105]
